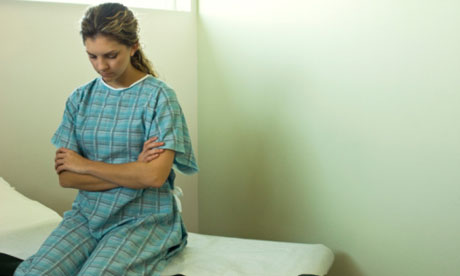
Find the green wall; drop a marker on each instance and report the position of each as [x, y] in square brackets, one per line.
[334, 122]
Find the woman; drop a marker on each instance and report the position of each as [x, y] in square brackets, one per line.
[124, 220]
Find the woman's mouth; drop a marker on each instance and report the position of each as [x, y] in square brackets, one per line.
[105, 75]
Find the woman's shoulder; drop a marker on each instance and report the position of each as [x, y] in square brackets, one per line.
[158, 88]
[79, 93]
[156, 83]
[86, 87]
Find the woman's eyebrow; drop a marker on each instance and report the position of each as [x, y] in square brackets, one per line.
[105, 54]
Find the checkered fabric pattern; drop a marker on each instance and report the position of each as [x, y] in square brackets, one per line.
[121, 231]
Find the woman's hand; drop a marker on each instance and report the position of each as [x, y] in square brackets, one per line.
[150, 150]
[69, 160]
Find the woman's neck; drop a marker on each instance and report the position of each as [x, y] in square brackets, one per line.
[130, 76]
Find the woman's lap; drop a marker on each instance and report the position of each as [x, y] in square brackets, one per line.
[137, 248]
[140, 247]
[64, 251]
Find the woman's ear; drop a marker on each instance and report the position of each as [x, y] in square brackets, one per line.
[134, 48]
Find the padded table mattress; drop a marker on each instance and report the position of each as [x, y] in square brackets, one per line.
[25, 224]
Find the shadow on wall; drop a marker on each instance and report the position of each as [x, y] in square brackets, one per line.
[344, 265]
[255, 148]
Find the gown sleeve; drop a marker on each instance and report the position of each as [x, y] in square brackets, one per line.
[65, 135]
[169, 125]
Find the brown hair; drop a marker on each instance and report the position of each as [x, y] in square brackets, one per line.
[117, 22]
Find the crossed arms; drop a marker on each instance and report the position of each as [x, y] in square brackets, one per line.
[150, 170]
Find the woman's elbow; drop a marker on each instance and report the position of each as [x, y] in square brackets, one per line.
[64, 181]
[154, 181]
[155, 173]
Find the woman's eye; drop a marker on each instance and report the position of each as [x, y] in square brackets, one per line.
[111, 56]
[92, 57]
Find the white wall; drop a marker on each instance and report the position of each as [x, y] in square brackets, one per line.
[335, 122]
[43, 60]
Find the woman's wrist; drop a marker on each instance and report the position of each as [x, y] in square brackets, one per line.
[90, 167]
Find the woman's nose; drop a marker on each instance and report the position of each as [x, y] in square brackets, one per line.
[101, 65]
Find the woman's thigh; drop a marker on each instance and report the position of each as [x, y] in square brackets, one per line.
[140, 248]
[64, 251]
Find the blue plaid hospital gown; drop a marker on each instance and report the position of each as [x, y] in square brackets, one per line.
[121, 231]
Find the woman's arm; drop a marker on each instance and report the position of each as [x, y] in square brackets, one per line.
[88, 182]
[136, 175]
[85, 182]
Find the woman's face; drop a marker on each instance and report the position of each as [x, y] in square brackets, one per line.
[110, 58]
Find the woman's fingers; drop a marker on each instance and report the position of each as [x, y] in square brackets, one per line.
[149, 141]
[59, 156]
[152, 157]
[154, 151]
[60, 169]
[62, 150]
[57, 161]
[152, 154]
[58, 165]
[155, 145]
[152, 145]
[152, 142]
[150, 150]
[65, 159]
